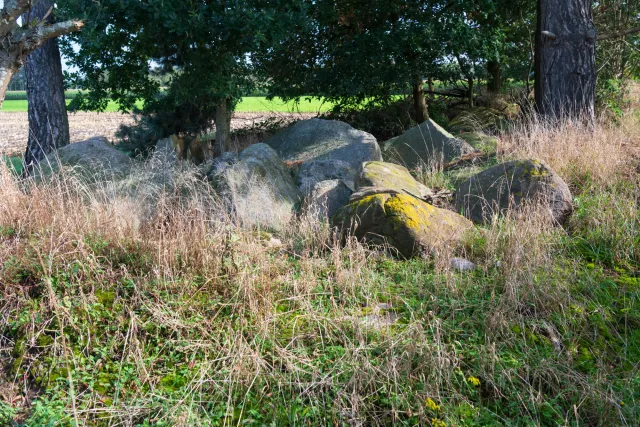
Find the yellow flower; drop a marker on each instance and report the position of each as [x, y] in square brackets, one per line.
[437, 423]
[431, 404]
[473, 381]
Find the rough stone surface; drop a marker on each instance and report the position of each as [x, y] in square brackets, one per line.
[221, 164]
[391, 176]
[318, 139]
[326, 197]
[461, 264]
[259, 188]
[93, 157]
[513, 184]
[165, 151]
[315, 171]
[427, 143]
[406, 223]
[480, 141]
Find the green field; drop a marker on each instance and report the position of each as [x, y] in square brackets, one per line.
[247, 105]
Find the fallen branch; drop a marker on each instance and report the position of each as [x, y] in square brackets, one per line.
[619, 34]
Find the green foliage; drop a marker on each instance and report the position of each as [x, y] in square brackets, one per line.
[13, 163]
[205, 48]
[352, 50]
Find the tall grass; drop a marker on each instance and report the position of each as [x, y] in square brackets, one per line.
[145, 302]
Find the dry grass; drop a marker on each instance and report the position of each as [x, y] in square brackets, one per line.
[597, 152]
[132, 303]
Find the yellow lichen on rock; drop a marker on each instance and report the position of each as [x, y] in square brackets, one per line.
[391, 176]
[402, 221]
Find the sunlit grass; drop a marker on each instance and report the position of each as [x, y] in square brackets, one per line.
[251, 104]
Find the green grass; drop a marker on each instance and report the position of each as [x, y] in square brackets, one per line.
[14, 163]
[249, 104]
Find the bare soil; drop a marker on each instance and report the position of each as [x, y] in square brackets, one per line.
[14, 126]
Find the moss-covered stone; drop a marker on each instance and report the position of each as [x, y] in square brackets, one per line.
[480, 141]
[513, 184]
[392, 176]
[404, 222]
[477, 119]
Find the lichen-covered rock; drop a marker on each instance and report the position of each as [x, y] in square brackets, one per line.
[509, 109]
[392, 176]
[316, 171]
[425, 144]
[221, 164]
[317, 139]
[513, 184]
[94, 157]
[480, 141]
[324, 198]
[259, 188]
[165, 151]
[476, 119]
[406, 223]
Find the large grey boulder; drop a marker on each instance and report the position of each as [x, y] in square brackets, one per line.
[165, 151]
[316, 171]
[221, 164]
[259, 188]
[513, 184]
[94, 157]
[425, 144]
[317, 139]
[324, 198]
[391, 176]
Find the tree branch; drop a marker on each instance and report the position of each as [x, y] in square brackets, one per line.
[10, 13]
[619, 34]
[33, 38]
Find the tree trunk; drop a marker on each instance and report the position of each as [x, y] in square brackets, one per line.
[48, 123]
[223, 126]
[419, 102]
[430, 84]
[8, 67]
[470, 94]
[494, 84]
[565, 68]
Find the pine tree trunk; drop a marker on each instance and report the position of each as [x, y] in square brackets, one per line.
[565, 68]
[48, 122]
[419, 102]
[470, 94]
[495, 76]
[223, 126]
